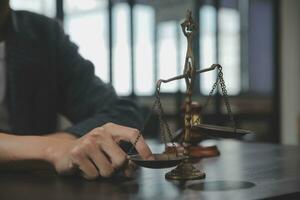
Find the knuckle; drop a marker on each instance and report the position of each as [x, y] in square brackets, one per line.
[96, 135]
[95, 132]
[88, 143]
[135, 132]
[76, 153]
[108, 125]
[99, 129]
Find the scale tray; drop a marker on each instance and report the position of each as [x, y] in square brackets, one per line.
[159, 161]
[220, 131]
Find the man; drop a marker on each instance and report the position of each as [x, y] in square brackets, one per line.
[42, 75]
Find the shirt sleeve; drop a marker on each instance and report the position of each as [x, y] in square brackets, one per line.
[84, 98]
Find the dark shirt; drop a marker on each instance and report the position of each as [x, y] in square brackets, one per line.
[46, 76]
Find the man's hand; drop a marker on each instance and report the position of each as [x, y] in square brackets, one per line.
[97, 153]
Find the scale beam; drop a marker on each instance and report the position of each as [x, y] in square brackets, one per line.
[184, 76]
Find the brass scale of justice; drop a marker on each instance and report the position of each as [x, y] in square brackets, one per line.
[185, 169]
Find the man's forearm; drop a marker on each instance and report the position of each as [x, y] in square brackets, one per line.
[62, 135]
[21, 148]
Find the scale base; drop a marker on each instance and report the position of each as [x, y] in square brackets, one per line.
[185, 171]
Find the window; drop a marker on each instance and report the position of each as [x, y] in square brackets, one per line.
[86, 21]
[46, 7]
[144, 49]
[229, 48]
[121, 49]
[167, 54]
[207, 16]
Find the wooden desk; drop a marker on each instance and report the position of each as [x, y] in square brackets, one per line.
[243, 171]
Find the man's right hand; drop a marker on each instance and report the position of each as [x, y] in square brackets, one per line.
[97, 153]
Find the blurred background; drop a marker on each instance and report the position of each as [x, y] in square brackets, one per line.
[133, 43]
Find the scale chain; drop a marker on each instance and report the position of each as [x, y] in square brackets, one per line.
[162, 121]
[225, 96]
[143, 128]
[220, 80]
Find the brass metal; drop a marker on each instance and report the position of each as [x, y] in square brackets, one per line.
[213, 131]
[197, 152]
[185, 169]
[159, 161]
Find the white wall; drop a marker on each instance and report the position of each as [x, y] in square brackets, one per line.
[290, 71]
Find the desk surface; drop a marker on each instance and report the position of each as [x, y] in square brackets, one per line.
[243, 171]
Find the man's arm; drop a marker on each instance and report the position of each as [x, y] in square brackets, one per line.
[95, 154]
[62, 135]
[21, 148]
[28, 152]
[101, 120]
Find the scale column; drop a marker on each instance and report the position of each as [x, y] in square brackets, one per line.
[187, 121]
[186, 170]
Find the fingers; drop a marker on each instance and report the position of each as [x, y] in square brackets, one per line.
[102, 151]
[102, 163]
[98, 154]
[117, 156]
[87, 168]
[130, 134]
[141, 147]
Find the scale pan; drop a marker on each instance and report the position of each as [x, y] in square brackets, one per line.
[220, 131]
[159, 161]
